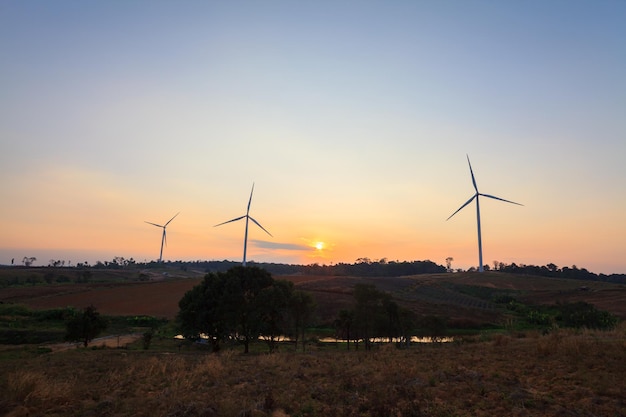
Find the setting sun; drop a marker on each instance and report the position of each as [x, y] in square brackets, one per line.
[319, 245]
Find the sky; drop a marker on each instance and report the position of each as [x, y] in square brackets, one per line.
[354, 120]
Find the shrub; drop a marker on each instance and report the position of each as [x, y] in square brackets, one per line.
[582, 314]
[56, 314]
[434, 327]
[10, 309]
[147, 339]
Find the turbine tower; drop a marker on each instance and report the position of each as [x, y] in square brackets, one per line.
[475, 196]
[163, 238]
[247, 217]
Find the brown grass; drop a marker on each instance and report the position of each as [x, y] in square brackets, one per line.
[564, 373]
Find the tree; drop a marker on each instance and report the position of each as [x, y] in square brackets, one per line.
[301, 307]
[202, 311]
[244, 309]
[275, 302]
[343, 325]
[227, 304]
[434, 327]
[449, 260]
[85, 326]
[28, 261]
[406, 325]
[369, 311]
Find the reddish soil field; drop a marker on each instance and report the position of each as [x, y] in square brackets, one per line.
[424, 294]
[157, 299]
[160, 298]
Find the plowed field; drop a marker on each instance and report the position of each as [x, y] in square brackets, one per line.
[157, 299]
[461, 296]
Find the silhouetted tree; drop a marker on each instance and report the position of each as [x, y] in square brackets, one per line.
[343, 326]
[85, 326]
[244, 310]
[369, 311]
[227, 304]
[202, 311]
[28, 261]
[274, 308]
[434, 327]
[301, 308]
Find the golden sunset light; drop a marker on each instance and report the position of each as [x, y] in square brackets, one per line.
[126, 126]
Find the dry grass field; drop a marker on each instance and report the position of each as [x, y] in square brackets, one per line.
[564, 373]
[517, 373]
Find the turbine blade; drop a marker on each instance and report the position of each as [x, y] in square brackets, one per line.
[250, 200]
[154, 224]
[168, 222]
[472, 172]
[229, 221]
[501, 199]
[461, 208]
[259, 224]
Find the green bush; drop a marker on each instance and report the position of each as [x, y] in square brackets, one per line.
[10, 309]
[56, 314]
[582, 314]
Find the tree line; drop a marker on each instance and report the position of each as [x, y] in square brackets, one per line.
[363, 267]
[376, 316]
[553, 271]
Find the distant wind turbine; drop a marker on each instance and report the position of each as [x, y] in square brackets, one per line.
[164, 237]
[247, 217]
[475, 196]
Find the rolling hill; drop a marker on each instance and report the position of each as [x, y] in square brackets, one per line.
[466, 299]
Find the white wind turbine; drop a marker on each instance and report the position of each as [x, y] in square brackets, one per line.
[163, 238]
[475, 196]
[247, 217]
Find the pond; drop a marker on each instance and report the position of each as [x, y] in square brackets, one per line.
[414, 339]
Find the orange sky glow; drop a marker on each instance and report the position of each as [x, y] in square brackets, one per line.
[353, 121]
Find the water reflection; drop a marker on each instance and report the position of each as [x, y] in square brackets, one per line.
[414, 339]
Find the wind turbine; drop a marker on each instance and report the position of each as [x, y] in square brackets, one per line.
[475, 196]
[163, 238]
[247, 217]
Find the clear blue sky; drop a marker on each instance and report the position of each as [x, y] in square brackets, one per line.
[354, 119]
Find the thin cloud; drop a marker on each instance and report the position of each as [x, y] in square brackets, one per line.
[277, 245]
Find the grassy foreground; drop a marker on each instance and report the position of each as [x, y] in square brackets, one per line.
[564, 373]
